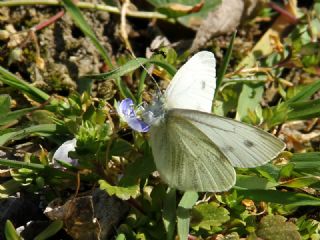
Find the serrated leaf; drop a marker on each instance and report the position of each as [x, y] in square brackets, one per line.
[122, 192]
[208, 215]
[275, 227]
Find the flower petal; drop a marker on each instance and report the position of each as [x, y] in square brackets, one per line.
[126, 108]
[138, 125]
[61, 153]
[128, 114]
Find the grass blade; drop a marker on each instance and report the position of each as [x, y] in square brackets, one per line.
[25, 87]
[131, 66]
[169, 212]
[42, 129]
[80, 21]
[10, 231]
[223, 68]
[287, 198]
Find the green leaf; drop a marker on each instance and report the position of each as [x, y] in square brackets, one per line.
[175, 9]
[300, 182]
[275, 227]
[299, 111]
[289, 198]
[121, 236]
[9, 188]
[15, 115]
[23, 86]
[169, 212]
[178, 9]
[305, 93]
[193, 19]
[249, 99]
[226, 59]
[208, 215]
[42, 129]
[120, 147]
[5, 103]
[306, 161]
[10, 231]
[122, 192]
[50, 231]
[183, 213]
[140, 168]
[130, 66]
[127, 68]
[253, 182]
[19, 164]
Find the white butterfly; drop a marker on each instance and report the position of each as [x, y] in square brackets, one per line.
[194, 149]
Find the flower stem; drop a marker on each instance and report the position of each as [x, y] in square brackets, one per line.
[86, 5]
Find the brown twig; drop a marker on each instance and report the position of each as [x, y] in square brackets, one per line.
[284, 12]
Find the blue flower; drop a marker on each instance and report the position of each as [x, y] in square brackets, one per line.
[127, 113]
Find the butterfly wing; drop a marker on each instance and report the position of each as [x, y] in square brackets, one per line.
[194, 84]
[187, 159]
[243, 145]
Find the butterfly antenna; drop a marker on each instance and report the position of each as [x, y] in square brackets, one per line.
[150, 75]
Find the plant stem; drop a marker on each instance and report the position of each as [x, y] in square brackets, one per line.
[85, 5]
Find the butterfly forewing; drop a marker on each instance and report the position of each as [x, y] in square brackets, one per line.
[243, 145]
[194, 84]
[187, 159]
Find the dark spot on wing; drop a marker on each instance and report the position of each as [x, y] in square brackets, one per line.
[248, 143]
[228, 149]
[203, 85]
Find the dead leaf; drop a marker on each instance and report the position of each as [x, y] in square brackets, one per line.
[88, 217]
[224, 19]
[265, 45]
[178, 7]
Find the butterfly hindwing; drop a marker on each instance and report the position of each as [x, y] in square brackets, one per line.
[187, 159]
[243, 145]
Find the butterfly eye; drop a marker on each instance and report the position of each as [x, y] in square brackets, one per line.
[128, 114]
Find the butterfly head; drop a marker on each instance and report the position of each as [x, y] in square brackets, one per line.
[154, 112]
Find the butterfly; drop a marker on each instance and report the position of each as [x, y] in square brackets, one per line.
[193, 149]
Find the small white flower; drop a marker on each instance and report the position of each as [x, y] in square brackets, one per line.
[61, 154]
